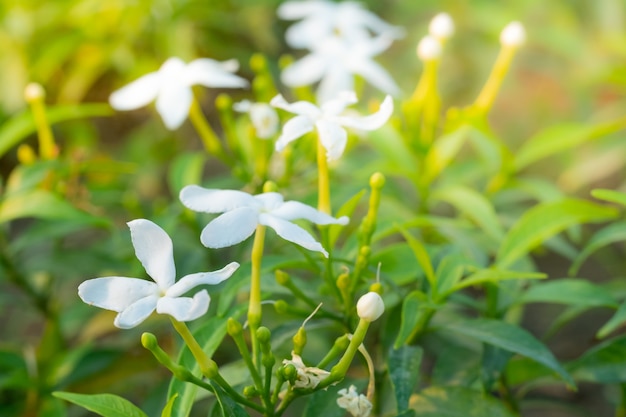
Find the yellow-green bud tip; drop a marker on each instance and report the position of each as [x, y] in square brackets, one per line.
[233, 327]
[376, 287]
[343, 281]
[258, 62]
[223, 101]
[263, 334]
[149, 341]
[250, 391]
[282, 278]
[25, 154]
[34, 92]
[377, 180]
[281, 306]
[270, 187]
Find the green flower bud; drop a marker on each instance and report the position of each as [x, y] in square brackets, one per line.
[250, 391]
[377, 180]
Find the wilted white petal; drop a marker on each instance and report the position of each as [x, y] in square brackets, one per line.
[153, 247]
[291, 232]
[173, 105]
[136, 312]
[115, 293]
[333, 138]
[185, 308]
[207, 200]
[371, 122]
[191, 281]
[293, 129]
[356, 404]
[136, 94]
[230, 228]
[307, 70]
[294, 210]
[211, 73]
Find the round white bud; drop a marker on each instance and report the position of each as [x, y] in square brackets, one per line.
[513, 35]
[34, 92]
[441, 26]
[370, 306]
[429, 48]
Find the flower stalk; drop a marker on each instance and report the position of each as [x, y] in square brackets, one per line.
[207, 134]
[35, 97]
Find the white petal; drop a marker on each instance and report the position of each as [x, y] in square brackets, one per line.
[136, 312]
[371, 122]
[264, 119]
[338, 104]
[242, 106]
[338, 79]
[185, 308]
[291, 232]
[269, 201]
[153, 247]
[188, 282]
[296, 10]
[293, 210]
[173, 105]
[377, 76]
[207, 200]
[292, 130]
[115, 293]
[136, 94]
[230, 228]
[212, 73]
[333, 138]
[305, 71]
[302, 108]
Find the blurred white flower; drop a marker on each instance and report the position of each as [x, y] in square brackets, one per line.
[429, 48]
[244, 212]
[171, 86]
[335, 61]
[134, 299]
[328, 121]
[441, 26]
[307, 376]
[263, 117]
[320, 19]
[513, 35]
[356, 404]
[370, 306]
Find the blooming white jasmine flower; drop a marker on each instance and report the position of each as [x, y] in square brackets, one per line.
[429, 48]
[334, 61]
[307, 376]
[356, 404]
[171, 86]
[263, 116]
[370, 306]
[324, 18]
[134, 299]
[441, 26]
[244, 212]
[513, 35]
[328, 122]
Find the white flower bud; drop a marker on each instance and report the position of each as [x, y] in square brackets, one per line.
[34, 92]
[513, 35]
[370, 306]
[441, 26]
[429, 48]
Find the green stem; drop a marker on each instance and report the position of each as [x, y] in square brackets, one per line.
[323, 179]
[208, 367]
[254, 308]
[35, 95]
[338, 371]
[209, 138]
[488, 94]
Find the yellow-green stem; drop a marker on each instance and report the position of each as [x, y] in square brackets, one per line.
[323, 180]
[47, 146]
[204, 129]
[254, 308]
[208, 367]
[487, 95]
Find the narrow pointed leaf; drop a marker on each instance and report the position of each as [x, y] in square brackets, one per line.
[613, 233]
[106, 405]
[611, 196]
[443, 151]
[494, 275]
[618, 319]
[605, 363]
[404, 367]
[457, 402]
[574, 292]
[422, 257]
[334, 230]
[412, 310]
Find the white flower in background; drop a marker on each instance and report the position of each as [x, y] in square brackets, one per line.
[328, 122]
[356, 404]
[334, 62]
[320, 19]
[171, 86]
[307, 376]
[370, 306]
[263, 117]
[244, 212]
[134, 299]
[513, 35]
[429, 48]
[441, 26]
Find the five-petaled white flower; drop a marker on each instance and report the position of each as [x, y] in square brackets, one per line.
[134, 299]
[328, 121]
[356, 404]
[244, 212]
[171, 86]
[263, 117]
[307, 376]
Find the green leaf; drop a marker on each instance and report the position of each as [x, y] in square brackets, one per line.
[544, 221]
[422, 257]
[570, 291]
[404, 367]
[228, 406]
[186, 169]
[106, 405]
[613, 233]
[412, 311]
[334, 230]
[457, 402]
[475, 206]
[605, 363]
[324, 403]
[611, 196]
[443, 151]
[512, 338]
[494, 275]
[618, 319]
[167, 410]
[394, 149]
[23, 125]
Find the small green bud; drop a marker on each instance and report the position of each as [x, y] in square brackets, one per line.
[299, 340]
[233, 327]
[149, 341]
[290, 373]
[250, 391]
[263, 334]
[281, 306]
[343, 281]
[223, 102]
[25, 154]
[365, 251]
[377, 180]
[212, 370]
[376, 287]
[270, 187]
[282, 278]
[268, 360]
[258, 62]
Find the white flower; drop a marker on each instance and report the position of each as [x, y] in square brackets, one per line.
[441, 26]
[429, 48]
[263, 116]
[370, 306]
[328, 121]
[513, 35]
[171, 86]
[356, 404]
[323, 18]
[244, 212]
[307, 376]
[135, 299]
[334, 61]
